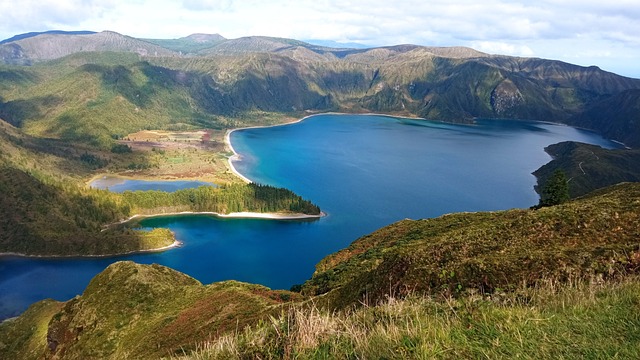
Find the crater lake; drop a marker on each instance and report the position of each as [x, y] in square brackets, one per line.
[364, 171]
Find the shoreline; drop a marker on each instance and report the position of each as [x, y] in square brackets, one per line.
[233, 215]
[175, 244]
[236, 156]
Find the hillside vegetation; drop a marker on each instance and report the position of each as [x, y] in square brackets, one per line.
[512, 283]
[595, 235]
[46, 217]
[46, 210]
[590, 167]
[137, 311]
[94, 91]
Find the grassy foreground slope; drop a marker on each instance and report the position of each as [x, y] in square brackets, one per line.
[137, 311]
[596, 235]
[558, 281]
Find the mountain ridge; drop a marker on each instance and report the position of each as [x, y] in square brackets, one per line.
[292, 78]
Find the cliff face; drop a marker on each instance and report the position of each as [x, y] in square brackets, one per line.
[616, 117]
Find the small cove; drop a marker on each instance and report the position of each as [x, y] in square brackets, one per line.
[364, 171]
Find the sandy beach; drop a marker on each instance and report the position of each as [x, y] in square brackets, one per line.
[236, 156]
[236, 215]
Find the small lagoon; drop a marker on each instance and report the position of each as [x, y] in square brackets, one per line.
[120, 184]
[365, 172]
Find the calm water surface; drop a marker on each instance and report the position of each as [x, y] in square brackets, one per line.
[118, 184]
[364, 171]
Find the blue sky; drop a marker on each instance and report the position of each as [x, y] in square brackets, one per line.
[584, 32]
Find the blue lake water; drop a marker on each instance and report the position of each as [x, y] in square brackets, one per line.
[118, 184]
[364, 171]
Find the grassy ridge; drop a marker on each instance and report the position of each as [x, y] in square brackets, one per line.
[558, 281]
[583, 320]
[487, 252]
[138, 311]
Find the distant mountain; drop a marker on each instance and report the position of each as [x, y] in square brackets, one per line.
[253, 44]
[206, 76]
[50, 32]
[47, 46]
[337, 45]
[191, 44]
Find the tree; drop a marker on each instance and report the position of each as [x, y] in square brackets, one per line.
[556, 190]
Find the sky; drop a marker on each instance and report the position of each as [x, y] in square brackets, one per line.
[583, 32]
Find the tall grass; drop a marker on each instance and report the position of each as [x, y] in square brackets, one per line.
[579, 319]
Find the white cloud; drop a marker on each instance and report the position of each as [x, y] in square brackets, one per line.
[215, 5]
[33, 15]
[492, 47]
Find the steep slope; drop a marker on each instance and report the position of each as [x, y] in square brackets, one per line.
[590, 167]
[140, 311]
[592, 236]
[616, 117]
[89, 98]
[43, 218]
[93, 96]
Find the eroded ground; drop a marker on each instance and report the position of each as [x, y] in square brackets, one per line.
[159, 154]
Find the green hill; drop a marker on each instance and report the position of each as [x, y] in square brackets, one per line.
[589, 167]
[139, 311]
[41, 216]
[591, 236]
[510, 283]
